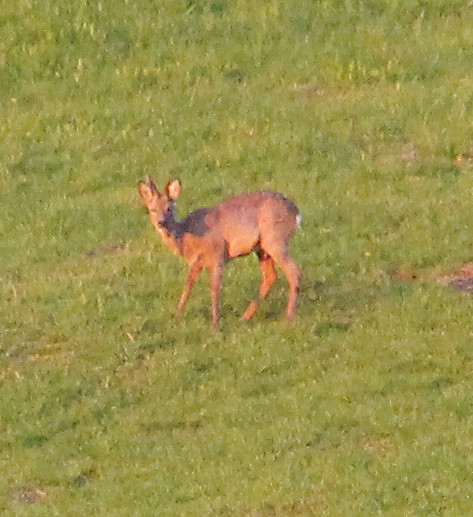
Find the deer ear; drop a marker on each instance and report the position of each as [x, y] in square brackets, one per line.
[147, 192]
[173, 189]
[151, 184]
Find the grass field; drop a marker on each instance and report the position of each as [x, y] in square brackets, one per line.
[358, 110]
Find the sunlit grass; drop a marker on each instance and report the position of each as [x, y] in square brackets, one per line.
[360, 112]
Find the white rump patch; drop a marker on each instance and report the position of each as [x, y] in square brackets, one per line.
[299, 220]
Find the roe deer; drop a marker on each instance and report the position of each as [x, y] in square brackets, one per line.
[262, 222]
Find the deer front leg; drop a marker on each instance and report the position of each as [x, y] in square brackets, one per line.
[216, 273]
[194, 271]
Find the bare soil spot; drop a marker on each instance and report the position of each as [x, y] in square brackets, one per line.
[461, 279]
[402, 275]
[29, 495]
[379, 446]
[405, 153]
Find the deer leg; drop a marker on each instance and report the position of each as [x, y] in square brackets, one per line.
[294, 275]
[194, 272]
[216, 273]
[269, 276]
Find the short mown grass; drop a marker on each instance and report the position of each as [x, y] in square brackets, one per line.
[359, 111]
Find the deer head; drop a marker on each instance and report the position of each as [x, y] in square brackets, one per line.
[161, 206]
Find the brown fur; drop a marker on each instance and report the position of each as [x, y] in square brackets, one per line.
[262, 222]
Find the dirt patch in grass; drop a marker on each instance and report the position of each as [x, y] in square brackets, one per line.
[28, 495]
[405, 153]
[379, 446]
[402, 275]
[460, 279]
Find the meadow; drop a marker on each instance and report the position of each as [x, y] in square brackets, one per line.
[358, 110]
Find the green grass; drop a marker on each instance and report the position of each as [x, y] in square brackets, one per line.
[357, 110]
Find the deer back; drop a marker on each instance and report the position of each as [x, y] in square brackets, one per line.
[243, 222]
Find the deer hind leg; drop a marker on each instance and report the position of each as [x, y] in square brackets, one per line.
[269, 276]
[194, 272]
[280, 254]
[294, 276]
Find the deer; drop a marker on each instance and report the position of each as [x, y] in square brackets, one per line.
[262, 222]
